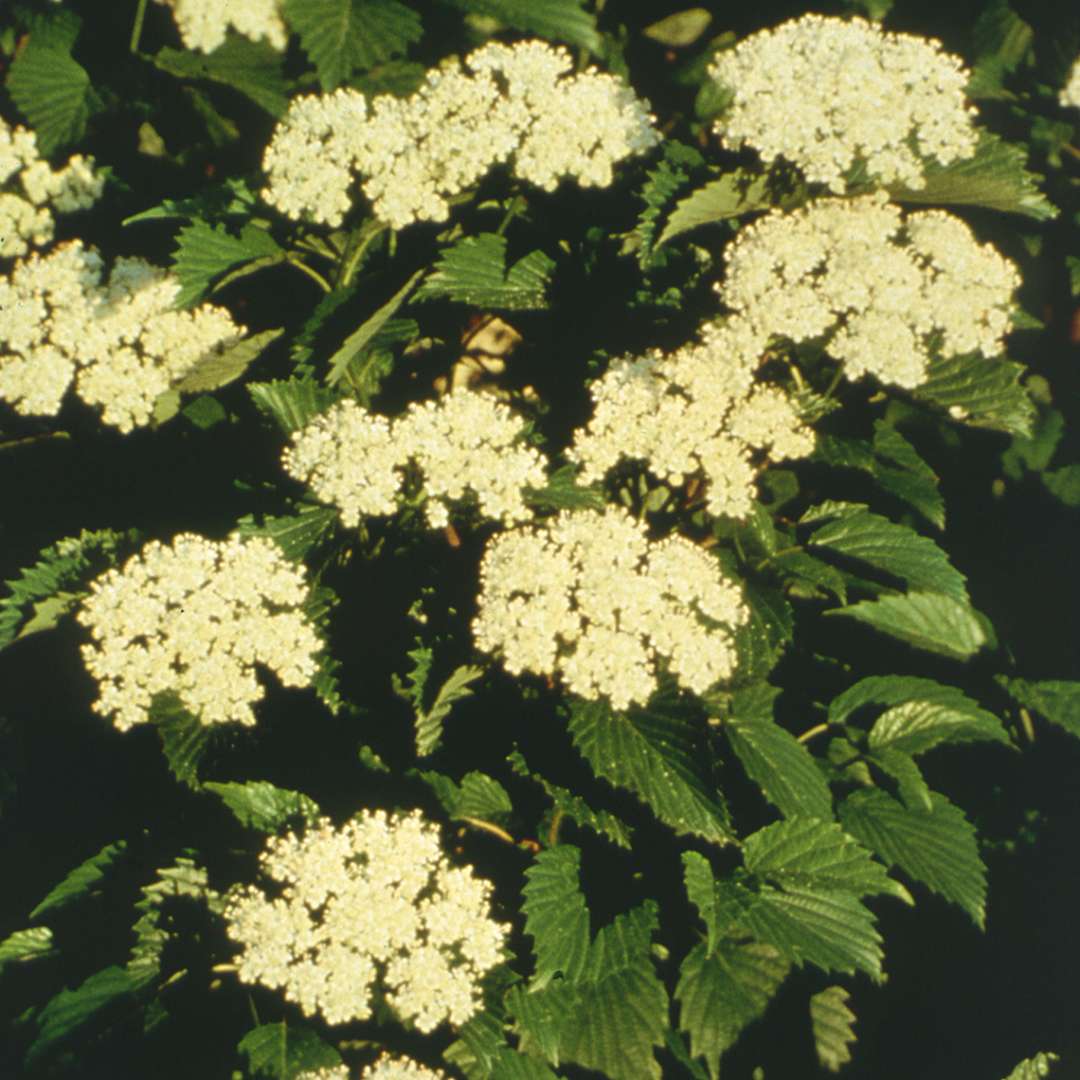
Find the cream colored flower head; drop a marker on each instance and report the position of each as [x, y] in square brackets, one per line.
[514, 104]
[589, 598]
[696, 412]
[203, 24]
[372, 902]
[885, 292]
[386, 1068]
[826, 93]
[465, 444]
[195, 618]
[120, 341]
[1070, 92]
[32, 192]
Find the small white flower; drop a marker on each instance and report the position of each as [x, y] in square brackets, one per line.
[694, 412]
[885, 292]
[375, 900]
[195, 618]
[463, 443]
[825, 93]
[1070, 92]
[203, 23]
[589, 598]
[513, 104]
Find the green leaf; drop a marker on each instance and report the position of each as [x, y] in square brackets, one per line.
[50, 89]
[804, 853]
[43, 593]
[701, 891]
[478, 796]
[100, 997]
[732, 195]
[937, 847]
[900, 470]
[556, 917]
[229, 199]
[831, 1021]
[996, 178]
[980, 392]
[1056, 700]
[429, 723]
[221, 366]
[681, 29]
[919, 714]
[83, 880]
[773, 758]
[25, 945]
[474, 272]
[556, 20]
[563, 493]
[184, 738]
[204, 252]
[830, 929]
[1064, 484]
[283, 1052]
[343, 35]
[929, 621]
[254, 68]
[290, 403]
[810, 575]
[671, 172]
[612, 1017]
[262, 806]
[913, 788]
[576, 809]
[1035, 452]
[508, 1065]
[351, 357]
[654, 753]
[761, 641]
[1034, 1068]
[153, 930]
[853, 532]
[296, 534]
[721, 993]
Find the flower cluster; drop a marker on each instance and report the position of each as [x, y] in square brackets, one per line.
[59, 317]
[31, 191]
[204, 23]
[826, 93]
[588, 597]
[194, 618]
[386, 1068]
[885, 292]
[373, 901]
[1070, 92]
[694, 412]
[463, 442]
[505, 103]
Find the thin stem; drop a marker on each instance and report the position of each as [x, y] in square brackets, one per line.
[358, 254]
[487, 826]
[835, 382]
[136, 30]
[517, 204]
[1072, 150]
[1029, 727]
[811, 733]
[26, 439]
[295, 260]
[553, 830]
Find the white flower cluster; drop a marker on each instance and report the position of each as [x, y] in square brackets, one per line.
[386, 1068]
[885, 292]
[194, 618]
[463, 442]
[58, 317]
[204, 23]
[373, 901]
[31, 191]
[1070, 93]
[694, 412]
[506, 103]
[825, 93]
[588, 597]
